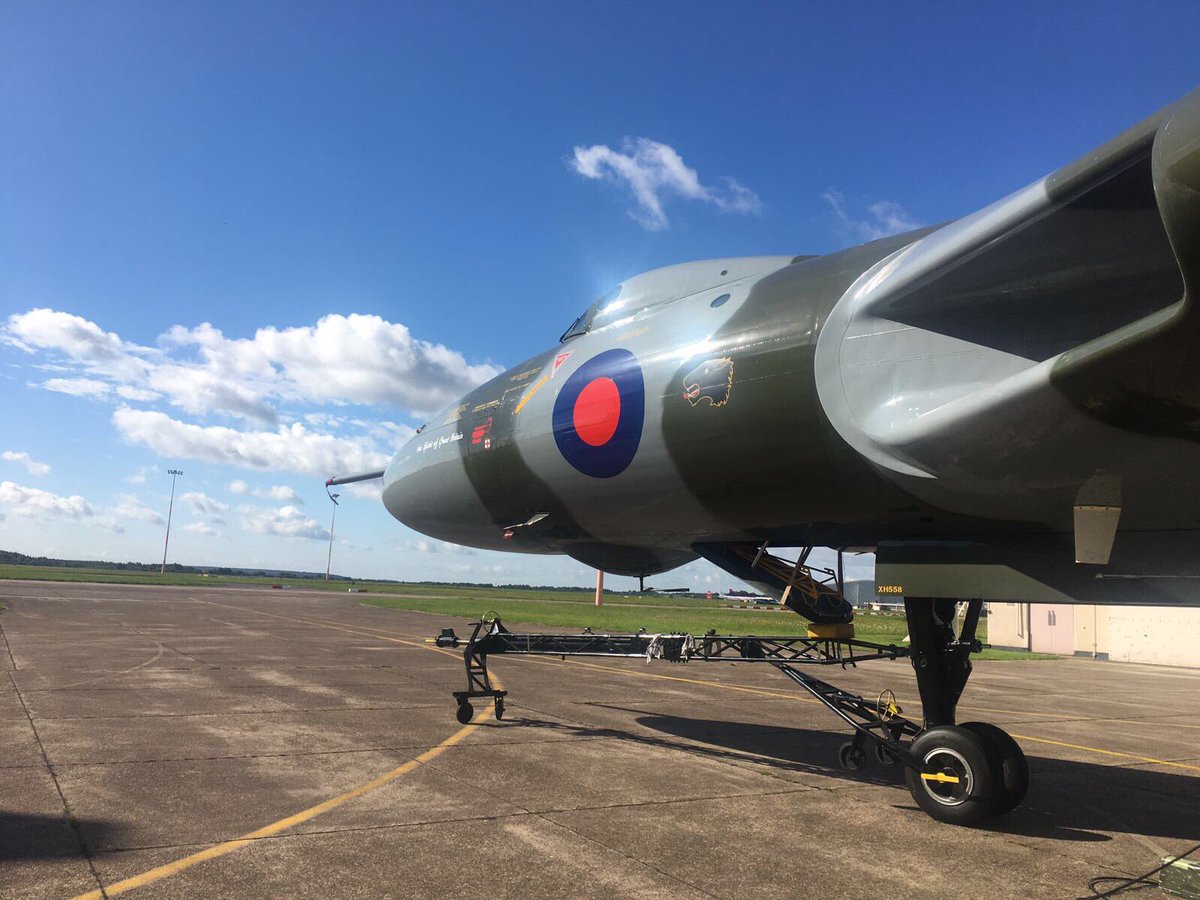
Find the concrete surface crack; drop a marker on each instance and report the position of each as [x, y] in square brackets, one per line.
[8, 648]
[70, 816]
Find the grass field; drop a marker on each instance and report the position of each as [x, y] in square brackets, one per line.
[554, 609]
[624, 614]
[121, 576]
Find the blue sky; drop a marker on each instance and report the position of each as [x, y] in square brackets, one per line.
[252, 240]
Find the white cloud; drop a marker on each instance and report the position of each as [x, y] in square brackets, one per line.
[139, 477]
[77, 387]
[34, 503]
[200, 528]
[653, 171]
[287, 521]
[34, 467]
[200, 391]
[364, 490]
[132, 393]
[96, 351]
[291, 447]
[343, 358]
[882, 219]
[431, 545]
[203, 505]
[352, 358]
[324, 420]
[131, 507]
[281, 492]
[389, 433]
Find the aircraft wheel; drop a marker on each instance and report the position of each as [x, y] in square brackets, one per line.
[465, 712]
[883, 755]
[850, 757]
[959, 782]
[1010, 763]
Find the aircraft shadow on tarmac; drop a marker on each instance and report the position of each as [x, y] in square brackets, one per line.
[1068, 800]
[36, 836]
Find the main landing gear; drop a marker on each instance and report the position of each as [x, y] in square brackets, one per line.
[959, 774]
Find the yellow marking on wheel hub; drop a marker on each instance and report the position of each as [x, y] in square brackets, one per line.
[940, 776]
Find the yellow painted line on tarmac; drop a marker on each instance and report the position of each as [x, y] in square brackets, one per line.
[364, 631]
[372, 632]
[1148, 759]
[772, 693]
[1057, 717]
[788, 696]
[367, 630]
[226, 847]
[733, 687]
[1153, 721]
[635, 673]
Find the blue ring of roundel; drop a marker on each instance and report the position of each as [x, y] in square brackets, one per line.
[614, 456]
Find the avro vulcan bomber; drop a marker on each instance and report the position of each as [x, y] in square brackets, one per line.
[1005, 407]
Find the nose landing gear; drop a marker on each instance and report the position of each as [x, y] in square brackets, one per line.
[962, 773]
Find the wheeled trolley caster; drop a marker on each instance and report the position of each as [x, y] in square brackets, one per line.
[465, 712]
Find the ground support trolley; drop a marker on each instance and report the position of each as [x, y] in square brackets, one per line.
[957, 774]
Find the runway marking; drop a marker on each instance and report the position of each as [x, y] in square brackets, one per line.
[732, 687]
[1149, 759]
[245, 840]
[1140, 722]
[226, 847]
[717, 684]
[365, 631]
[778, 694]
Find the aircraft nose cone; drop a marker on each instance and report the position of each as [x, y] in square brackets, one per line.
[426, 487]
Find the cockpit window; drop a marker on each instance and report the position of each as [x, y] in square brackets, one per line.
[583, 324]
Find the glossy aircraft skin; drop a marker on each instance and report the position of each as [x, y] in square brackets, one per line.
[689, 480]
[952, 396]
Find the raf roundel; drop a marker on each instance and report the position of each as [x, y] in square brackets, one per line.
[598, 414]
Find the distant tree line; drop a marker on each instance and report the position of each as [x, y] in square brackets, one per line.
[12, 558]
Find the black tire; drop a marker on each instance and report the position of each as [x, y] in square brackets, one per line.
[960, 781]
[464, 713]
[1013, 770]
[499, 709]
[851, 758]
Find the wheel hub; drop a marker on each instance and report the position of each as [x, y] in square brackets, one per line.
[951, 779]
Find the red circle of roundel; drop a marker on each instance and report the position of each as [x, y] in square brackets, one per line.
[599, 412]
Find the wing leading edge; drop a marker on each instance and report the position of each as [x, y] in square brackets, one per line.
[1001, 343]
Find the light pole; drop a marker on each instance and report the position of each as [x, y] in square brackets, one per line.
[174, 473]
[332, 519]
